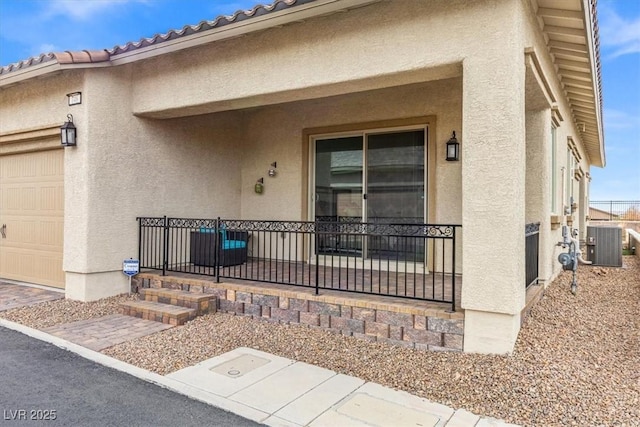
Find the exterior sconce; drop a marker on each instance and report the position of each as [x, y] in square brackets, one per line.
[68, 133]
[272, 171]
[453, 149]
[259, 186]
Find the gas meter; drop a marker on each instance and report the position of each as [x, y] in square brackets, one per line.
[567, 261]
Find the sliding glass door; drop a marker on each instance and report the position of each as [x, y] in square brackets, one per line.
[375, 177]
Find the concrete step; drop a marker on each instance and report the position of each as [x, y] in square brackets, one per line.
[202, 303]
[159, 312]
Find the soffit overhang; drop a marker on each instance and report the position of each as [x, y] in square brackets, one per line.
[570, 29]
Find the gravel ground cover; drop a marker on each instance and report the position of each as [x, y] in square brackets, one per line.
[56, 312]
[576, 362]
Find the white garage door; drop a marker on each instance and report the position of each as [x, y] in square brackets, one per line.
[31, 217]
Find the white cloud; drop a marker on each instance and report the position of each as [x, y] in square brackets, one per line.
[616, 119]
[56, 25]
[46, 48]
[618, 35]
[82, 10]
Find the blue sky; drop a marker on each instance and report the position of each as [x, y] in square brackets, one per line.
[31, 27]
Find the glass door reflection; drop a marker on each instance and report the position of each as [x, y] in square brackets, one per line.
[338, 192]
[395, 191]
[377, 178]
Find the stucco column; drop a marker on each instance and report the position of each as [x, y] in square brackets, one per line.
[493, 197]
[583, 209]
[93, 203]
[538, 184]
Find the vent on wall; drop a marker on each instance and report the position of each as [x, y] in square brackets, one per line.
[604, 246]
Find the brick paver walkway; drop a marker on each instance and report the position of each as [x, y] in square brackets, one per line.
[102, 332]
[14, 296]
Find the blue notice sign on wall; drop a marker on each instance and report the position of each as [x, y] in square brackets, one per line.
[131, 267]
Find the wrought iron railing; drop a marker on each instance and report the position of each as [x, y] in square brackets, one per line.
[614, 210]
[532, 247]
[415, 261]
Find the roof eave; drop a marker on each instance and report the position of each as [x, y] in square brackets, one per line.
[133, 53]
[571, 32]
[595, 62]
[27, 73]
[236, 29]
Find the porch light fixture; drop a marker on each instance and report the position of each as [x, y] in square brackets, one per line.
[272, 171]
[259, 186]
[68, 132]
[453, 149]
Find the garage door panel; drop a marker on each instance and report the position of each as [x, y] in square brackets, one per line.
[32, 207]
[33, 233]
[13, 199]
[33, 266]
[50, 234]
[52, 199]
[52, 166]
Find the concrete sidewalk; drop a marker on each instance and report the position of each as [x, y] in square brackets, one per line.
[256, 385]
[276, 391]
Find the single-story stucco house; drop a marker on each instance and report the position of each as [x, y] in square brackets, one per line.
[479, 116]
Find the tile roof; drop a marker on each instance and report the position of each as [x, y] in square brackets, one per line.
[220, 21]
[93, 56]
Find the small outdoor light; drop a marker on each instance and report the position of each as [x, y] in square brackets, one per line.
[272, 171]
[68, 133]
[259, 186]
[453, 148]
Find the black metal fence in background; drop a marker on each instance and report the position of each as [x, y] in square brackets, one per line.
[414, 261]
[532, 247]
[614, 210]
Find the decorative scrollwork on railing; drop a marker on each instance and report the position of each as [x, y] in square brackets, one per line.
[191, 223]
[277, 226]
[391, 230]
[372, 219]
[531, 228]
[151, 221]
[320, 227]
[440, 231]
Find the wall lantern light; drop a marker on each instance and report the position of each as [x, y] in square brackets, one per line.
[68, 132]
[453, 148]
[259, 186]
[272, 170]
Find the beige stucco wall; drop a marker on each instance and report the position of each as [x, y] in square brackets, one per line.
[385, 44]
[275, 134]
[538, 178]
[493, 181]
[132, 167]
[39, 102]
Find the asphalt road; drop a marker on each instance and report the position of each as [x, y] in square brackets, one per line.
[41, 384]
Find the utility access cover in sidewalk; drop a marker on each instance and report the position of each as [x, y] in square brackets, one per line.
[239, 366]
